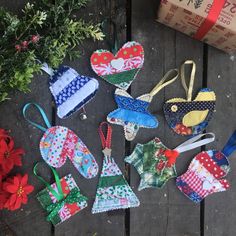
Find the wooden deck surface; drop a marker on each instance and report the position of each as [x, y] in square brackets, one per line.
[162, 212]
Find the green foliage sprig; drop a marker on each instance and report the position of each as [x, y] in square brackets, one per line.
[46, 31]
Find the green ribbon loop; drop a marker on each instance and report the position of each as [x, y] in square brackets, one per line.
[73, 197]
[58, 195]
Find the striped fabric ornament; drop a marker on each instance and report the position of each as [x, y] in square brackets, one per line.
[71, 91]
[113, 191]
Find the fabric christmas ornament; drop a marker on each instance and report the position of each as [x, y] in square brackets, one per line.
[59, 143]
[155, 163]
[187, 116]
[205, 173]
[62, 199]
[113, 191]
[121, 69]
[132, 113]
[71, 91]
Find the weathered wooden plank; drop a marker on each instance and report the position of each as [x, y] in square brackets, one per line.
[30, 219]
[220, 207]
[84, 223]
[166, 211]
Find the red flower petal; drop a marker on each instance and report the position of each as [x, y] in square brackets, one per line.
[17, 204]
[28, 189]
[10, 188]
[16, 181]
[24, 180]
[12, 199]
[24, 198]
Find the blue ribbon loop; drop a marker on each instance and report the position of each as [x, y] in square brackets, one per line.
[230, 146]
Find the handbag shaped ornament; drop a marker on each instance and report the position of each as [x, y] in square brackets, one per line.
[120, 69]
[59, 143]
[132, 113]
[206, 172]
[71, 91]
[187, 116]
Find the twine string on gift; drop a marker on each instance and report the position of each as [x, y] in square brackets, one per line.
[188, 89]
[42, 113]
[230, 146]
[163, 82]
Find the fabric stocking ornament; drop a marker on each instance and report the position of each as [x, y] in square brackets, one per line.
[155, 163]
[71, 91]
[132, 113]
[59, 142]
[113, 191]
[187, 116]
[205, 173]
[62, 199]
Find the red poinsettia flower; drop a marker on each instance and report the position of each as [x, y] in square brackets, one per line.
[3, 133]
[9, 157]
[18, 188]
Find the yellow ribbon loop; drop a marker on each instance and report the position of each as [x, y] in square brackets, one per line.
[163, 83]
[189, 89]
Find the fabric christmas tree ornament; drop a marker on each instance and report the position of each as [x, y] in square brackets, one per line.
[121, 69]
[155, 163]
[61, 199]
[59, 143]
[71, 91]
[132, 113]
[205, 173]
[113, 191]
[187, 116]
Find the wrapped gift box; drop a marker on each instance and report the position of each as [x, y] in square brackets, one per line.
[66, 210]
[211, 21]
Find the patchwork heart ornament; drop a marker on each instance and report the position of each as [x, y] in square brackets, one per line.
[121, 69]
[187, 116]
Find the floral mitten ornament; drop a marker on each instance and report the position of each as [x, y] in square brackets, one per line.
[205, 173]
[187, 116]
[155, 163]
[121, 69]
[113, 191]
[61, 199]
[132, 113]
[59, 143]
[71, 91]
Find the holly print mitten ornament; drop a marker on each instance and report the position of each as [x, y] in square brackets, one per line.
[120, 69]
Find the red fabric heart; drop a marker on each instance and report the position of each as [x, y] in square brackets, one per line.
[171, 155]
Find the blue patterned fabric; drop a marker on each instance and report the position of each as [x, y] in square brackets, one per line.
[133, 111]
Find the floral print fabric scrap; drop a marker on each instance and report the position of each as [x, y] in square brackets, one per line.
[46, 198]
[113, 191]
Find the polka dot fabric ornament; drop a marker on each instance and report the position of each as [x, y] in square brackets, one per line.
[206, 171]
[71, 91]
[59, 143]
[187, 116]
[121, 69]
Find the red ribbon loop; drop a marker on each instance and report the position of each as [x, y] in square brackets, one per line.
[106, 142]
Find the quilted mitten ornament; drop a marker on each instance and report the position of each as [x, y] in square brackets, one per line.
[187, 116]
[155, 163]
[61, 199]
[71, 91]
[59, 143]
[206, 171]
[113, 191]
[120, 69]
[132, 113]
